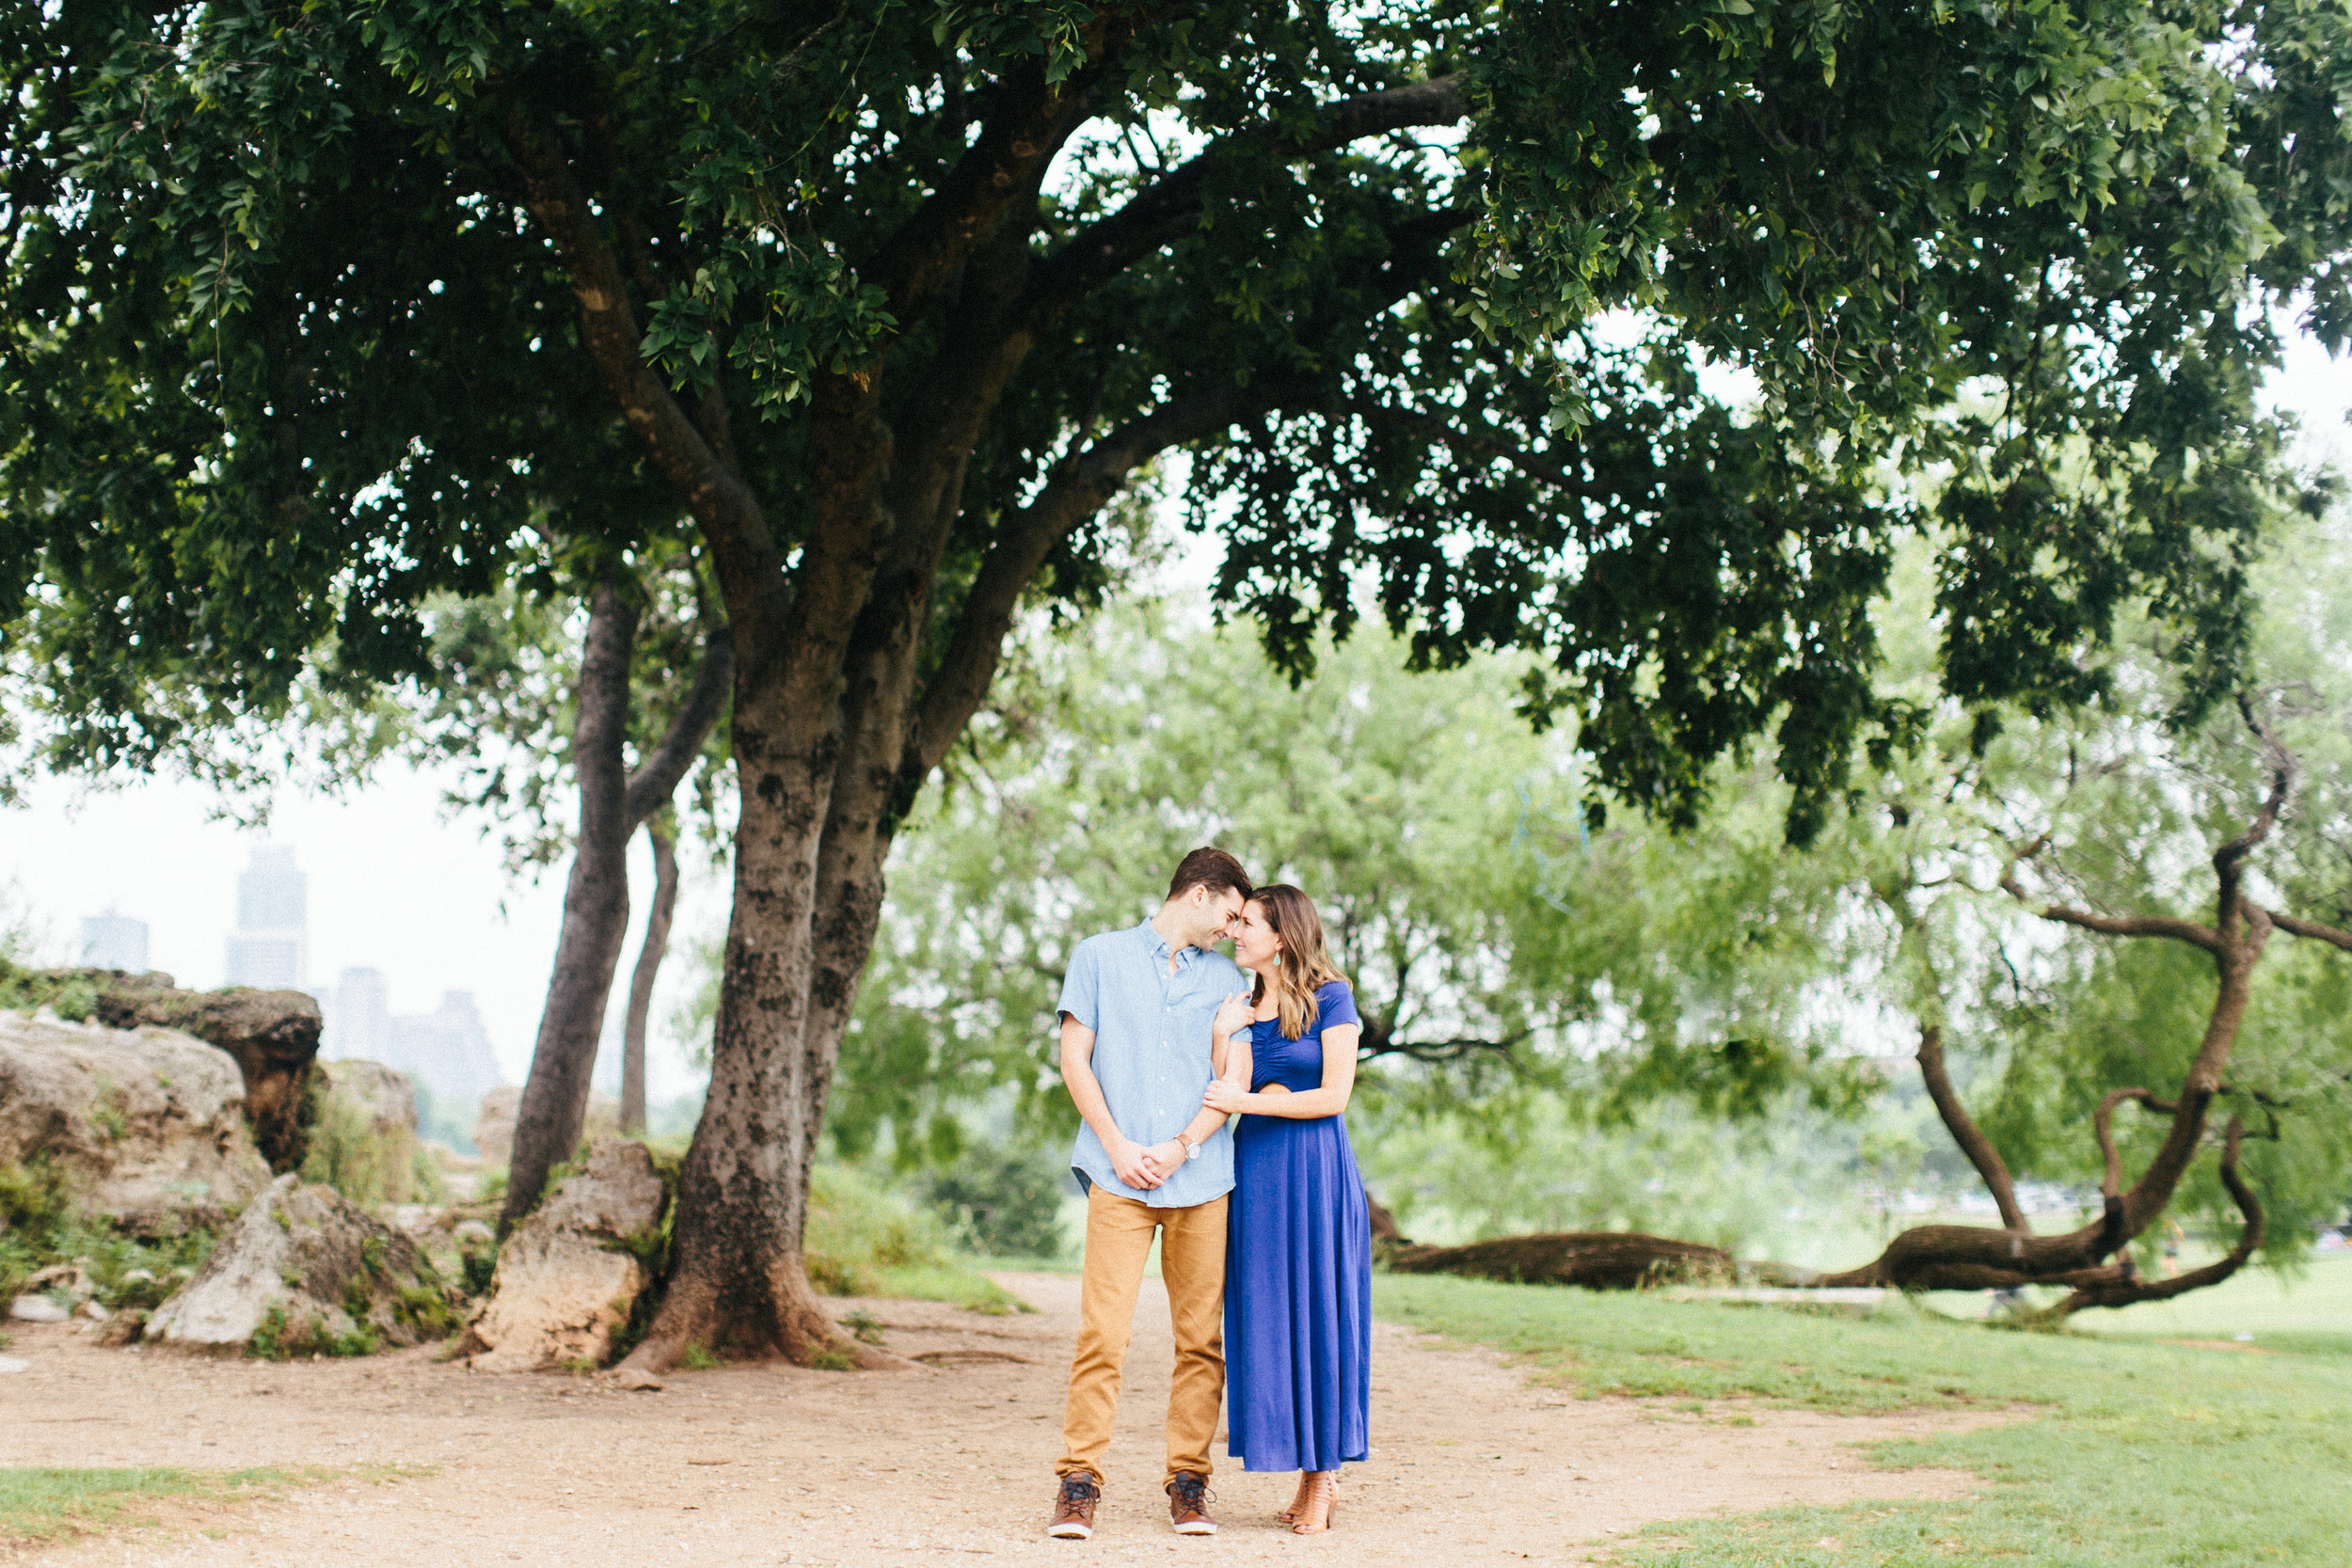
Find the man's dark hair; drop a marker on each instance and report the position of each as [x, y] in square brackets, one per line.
[1213, 869]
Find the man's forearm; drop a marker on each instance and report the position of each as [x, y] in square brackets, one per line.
[1086, 1093]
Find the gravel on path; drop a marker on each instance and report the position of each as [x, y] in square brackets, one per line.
[948, 1464]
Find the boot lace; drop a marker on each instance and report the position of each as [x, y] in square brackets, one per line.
[1191, 1491]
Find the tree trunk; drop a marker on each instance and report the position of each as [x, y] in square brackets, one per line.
[641, 982]
[737, 1284]
[596, 912]
[1597, 1260]
[596, 902]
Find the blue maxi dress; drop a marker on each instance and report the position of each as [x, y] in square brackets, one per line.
[1297, 1269]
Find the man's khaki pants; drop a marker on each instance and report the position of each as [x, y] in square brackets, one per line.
[1192, 1263]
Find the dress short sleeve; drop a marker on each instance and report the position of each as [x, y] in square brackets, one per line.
[1082, 986]
[1336, 1004]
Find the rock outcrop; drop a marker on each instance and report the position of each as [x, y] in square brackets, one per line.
[148, 1124]
[569, 1275]
[273, 1036]
[494, 1128]
[303, 1271]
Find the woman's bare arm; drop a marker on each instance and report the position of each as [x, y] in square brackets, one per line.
[1330, 1100]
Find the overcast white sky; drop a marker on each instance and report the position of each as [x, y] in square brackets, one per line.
[397, 887]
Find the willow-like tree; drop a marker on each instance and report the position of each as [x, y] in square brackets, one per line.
[891, 299]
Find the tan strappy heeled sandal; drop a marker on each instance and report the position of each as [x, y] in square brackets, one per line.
[1298, 1499]
[1321, 1503]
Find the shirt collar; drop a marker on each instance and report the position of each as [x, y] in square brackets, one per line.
[1158, 944]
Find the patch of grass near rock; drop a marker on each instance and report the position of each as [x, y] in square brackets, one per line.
[43, 1505]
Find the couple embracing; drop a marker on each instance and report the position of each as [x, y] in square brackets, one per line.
[1213, 1103]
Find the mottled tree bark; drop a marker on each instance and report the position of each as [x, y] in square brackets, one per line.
[595, 912]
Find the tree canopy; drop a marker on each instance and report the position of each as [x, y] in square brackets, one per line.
[317, 308]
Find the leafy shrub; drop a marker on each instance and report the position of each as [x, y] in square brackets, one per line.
[1007, 1204]
[41, 1224]
[278, 1340]
[857, 1231]
[350, 1153]
[477, 1265]
[864, 1240]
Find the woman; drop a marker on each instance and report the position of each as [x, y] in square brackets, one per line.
[1299, 1237]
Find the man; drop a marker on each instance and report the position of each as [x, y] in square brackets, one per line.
[1136, 1010]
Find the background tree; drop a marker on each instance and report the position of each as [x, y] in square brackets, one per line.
[891, 301]
[1504, 954]
[619, 699]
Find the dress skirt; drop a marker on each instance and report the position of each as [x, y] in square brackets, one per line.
[1297, 1297]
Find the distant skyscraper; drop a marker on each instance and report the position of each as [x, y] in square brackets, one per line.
[447, 1048]
[112, 940]
[270, 947]
[359, 1017]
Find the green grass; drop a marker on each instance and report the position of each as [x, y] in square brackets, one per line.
[2140, 1454]
[41, 1506]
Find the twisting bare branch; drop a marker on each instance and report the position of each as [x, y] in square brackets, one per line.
[2111, 1184]
[2130, 1288]
[2333, 934]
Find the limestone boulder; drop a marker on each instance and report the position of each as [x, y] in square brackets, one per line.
[570, 1273]
[494, 1128]
[303, 1272]
[273, 1037]
[148, 1124]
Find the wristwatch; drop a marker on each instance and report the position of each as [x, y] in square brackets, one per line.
[1192, 1149]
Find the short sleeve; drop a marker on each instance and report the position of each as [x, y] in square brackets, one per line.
[1336, 1004]
[1082, 986]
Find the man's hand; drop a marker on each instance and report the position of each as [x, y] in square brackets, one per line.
[1132, 1163]
[1165, 1158]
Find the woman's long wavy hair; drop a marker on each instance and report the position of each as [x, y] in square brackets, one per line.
[1301, 964]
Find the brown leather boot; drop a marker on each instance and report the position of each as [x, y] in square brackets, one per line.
[1188, 1502]
[1074, 1507]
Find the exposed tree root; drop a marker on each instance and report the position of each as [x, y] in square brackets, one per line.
[782, 1322]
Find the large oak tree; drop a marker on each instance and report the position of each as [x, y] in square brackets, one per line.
[311, 305]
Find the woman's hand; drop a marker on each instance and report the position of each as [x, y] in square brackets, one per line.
[1222, 1095]
[1233, 1014]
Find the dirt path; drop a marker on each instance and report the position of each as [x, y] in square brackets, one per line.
[951, 1464]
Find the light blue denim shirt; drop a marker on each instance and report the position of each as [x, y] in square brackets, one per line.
[1151, 1049]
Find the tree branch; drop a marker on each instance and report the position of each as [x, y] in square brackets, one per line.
[2126, 1291]
[2333, 934]
[1027, 538]
[2103, 1120]
[1382, 1043]
[748, 566]
[2204, 937]
[2229, 861]
[1964, 1130]
[1029, 121]
[1170, 207]
[657, 777]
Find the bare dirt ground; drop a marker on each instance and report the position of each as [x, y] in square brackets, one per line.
[1471, 1463]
